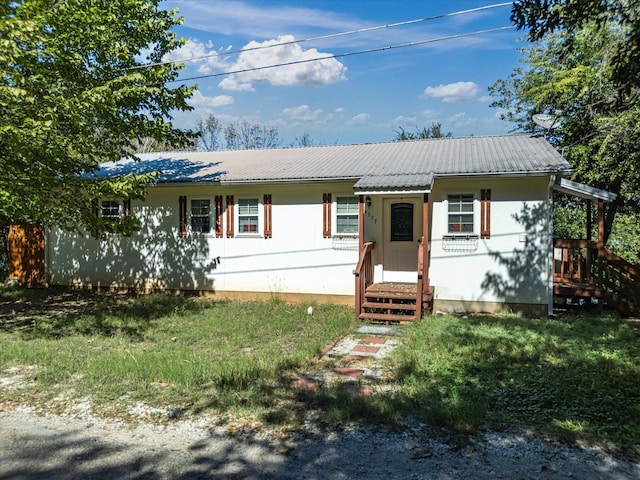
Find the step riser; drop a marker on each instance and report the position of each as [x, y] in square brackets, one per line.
[373, 308]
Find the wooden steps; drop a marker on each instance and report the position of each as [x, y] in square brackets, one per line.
[393, 303]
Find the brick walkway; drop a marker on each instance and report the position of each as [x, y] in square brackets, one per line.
[354, 363]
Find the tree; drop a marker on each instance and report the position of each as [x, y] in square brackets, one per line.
[598, 124]
[247, 136]
[542, 17]
[303, 140]
[209, 130]
[434, 131]
[76, 91]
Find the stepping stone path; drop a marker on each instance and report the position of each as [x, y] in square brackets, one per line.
[354, 363]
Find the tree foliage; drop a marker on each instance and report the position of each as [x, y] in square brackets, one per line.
[74, 93]
[434, 131]
[598, 124]
[542, 17]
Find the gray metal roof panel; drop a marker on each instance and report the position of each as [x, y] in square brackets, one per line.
[402, 181]
[406, 162]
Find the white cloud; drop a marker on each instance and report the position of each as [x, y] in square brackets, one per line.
[310, 72]
[453, 92]
[262, 19]
[302, 113]
[198, 100]
[360, 119]
[429, 114]
[460, 120]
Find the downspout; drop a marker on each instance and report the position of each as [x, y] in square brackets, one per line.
[550, 256]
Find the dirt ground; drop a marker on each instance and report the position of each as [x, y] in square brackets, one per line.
[79, 445]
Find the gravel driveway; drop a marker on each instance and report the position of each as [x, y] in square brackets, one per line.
[82, 446]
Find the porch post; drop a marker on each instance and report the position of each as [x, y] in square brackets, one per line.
[425, 241]
[600, 224]
[360, 223]
[589, 226]
[359, 284]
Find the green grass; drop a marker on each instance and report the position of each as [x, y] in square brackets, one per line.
[575, 378]
[231, 359]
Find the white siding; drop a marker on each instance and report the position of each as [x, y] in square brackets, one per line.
[296, 260]
[512, 265]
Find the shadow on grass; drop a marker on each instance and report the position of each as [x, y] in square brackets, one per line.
[58, 312]
[573, 379]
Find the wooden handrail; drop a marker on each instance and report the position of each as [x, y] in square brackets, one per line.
[420, 286]
[585, 261]
[363, 274]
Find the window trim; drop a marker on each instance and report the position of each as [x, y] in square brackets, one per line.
[191, 216]
[113, 217]
[336, 215]
[474, 214]
[259, 215]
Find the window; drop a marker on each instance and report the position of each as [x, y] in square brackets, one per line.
[110, 209]
[248, 215]
[460, 214]
[200, 218]
[402, 222]
[346, 215]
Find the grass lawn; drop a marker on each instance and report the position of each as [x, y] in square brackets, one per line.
[189, 354]
[575, 378]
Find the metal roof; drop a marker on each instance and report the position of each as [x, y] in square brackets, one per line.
[396, 164]
[583, 191]
[417, 182]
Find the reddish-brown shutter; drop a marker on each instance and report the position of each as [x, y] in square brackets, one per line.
[126, 207]
[485, 213]
[326, 215]
[218, 202]
[230, 217]
[267, 217]
[182, 210]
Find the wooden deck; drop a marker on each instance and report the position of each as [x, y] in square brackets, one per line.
[585, 269]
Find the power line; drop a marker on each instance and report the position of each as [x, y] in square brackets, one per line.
[324, 37]
[341, 55]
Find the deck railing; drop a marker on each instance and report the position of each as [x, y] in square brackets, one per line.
[363, 274]
[576, 260]
[581, 261]
[420, 286]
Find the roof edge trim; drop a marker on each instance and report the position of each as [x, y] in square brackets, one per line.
[583, 191]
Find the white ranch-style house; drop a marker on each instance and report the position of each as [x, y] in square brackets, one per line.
[455, 224]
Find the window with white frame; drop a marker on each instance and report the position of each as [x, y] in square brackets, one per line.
[460, 214]
[110, 209]
[201, 216]
[248, 216]
[347, 215]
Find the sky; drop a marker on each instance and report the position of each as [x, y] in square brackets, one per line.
[413, 74]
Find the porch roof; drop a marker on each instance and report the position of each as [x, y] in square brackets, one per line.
[583, 191]
[403, 183]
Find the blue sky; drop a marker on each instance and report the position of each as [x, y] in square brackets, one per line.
[357, 98]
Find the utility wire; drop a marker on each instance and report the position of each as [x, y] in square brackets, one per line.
[341, 55]
[324, 37]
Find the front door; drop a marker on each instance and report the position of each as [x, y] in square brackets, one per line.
[402, 231]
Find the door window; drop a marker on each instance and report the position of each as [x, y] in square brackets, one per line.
[402, 222]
